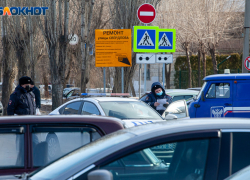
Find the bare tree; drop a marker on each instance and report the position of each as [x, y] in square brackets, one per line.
[8, 73]
[54, 27]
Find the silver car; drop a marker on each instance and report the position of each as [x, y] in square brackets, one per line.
[203, 149]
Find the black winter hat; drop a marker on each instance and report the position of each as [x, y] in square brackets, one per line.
[156, 87]
[25, 80]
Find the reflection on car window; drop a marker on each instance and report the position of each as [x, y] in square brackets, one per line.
[12, 150]
[176, 98]
[219, 90]
[129, 110]
[76, 92]
[179, 160]
[177, 108]
[89, 108]
[48, 146]
[72, 108]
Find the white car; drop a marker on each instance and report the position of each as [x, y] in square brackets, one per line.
[134, 112]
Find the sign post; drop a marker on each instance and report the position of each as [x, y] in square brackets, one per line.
[146, 13]
[247, 63]
[113, 49]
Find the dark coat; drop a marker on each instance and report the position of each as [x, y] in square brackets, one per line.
[22, 102]
[36, 91]
[152, 97]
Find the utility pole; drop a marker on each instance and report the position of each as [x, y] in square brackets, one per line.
[246, 35]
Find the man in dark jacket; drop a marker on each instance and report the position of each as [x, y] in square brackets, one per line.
[157, 98]
[22, 100]
[36, 91]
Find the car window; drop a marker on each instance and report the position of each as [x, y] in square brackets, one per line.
[219, 90]
[72, 108]
[76, 92]
[12, 148]
[241, 157]
[50, 143]
[179, 160]
[177, 109]
[90, 108]
[129, 110]
[176, 98]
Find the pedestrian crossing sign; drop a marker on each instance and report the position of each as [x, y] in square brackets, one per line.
[145, 38]
[166, 40]
[153, 39]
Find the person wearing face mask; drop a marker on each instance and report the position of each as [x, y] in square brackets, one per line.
[157, 98]
[22, 100]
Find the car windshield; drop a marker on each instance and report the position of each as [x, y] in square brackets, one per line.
[129, 110]
[76, 158]
[203, 86]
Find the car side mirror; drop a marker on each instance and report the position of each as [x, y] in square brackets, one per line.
[170, 117]
[202, 96]
[100, 174]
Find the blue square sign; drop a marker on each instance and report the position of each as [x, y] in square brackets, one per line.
[165, 40]
[146, 39]
[217, 111]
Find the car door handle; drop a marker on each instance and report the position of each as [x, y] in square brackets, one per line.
[227, 104]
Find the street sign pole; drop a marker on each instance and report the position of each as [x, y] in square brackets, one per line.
[246, 35]
[122, 77]
[145, 75]
[163, 74]
[145, 78]
[140, 81]
[122, 80]
[104, 79]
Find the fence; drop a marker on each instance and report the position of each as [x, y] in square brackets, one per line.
[181, 77]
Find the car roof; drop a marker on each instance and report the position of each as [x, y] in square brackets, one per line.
[232, 76]
[103, 122]
[182, 92]
[142, 133]
[174, 126]
[107, 99]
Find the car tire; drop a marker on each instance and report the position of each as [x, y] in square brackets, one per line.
[54, 149]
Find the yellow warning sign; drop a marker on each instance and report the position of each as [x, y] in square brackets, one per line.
[113, 48]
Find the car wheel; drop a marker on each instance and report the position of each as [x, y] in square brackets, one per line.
[53, 146]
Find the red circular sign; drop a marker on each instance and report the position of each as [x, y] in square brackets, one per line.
[146, 13]
[247, 63]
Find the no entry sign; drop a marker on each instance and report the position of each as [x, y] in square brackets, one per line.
[146, 13]
[247, 63]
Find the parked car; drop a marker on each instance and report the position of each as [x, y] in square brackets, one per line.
[129, 110]
[42, 88]
[203, 149]
[176, 94]
[29, 142]
[71, 93]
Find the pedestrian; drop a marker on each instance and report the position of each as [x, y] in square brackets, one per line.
[22, 100]
[36, 91]
[157, 98]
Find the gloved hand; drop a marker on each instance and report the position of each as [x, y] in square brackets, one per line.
[166, 105]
